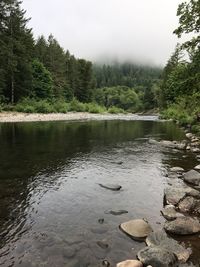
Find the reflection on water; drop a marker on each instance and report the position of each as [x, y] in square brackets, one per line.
[50, 200]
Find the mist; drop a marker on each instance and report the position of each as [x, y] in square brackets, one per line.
[104, 30]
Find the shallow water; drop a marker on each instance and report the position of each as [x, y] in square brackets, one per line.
[50, 200]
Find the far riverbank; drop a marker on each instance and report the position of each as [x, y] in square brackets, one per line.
[70, 116]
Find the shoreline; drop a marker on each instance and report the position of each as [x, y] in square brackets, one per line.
[70, 116]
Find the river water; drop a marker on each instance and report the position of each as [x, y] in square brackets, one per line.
[53, 211]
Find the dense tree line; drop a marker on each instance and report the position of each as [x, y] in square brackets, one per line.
[180, 87]
[40, 68]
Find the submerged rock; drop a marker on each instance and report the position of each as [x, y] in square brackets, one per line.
[192, 177]
[169, 213]
[187, 204]
[160, 239]
[130, 263]
[103, 244]
[116, 212]
[157, 257]
[183, 226]
[137, 229]
[113, 187]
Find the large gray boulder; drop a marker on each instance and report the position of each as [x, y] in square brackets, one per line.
[192, 177]
[137, 229]
[173, 195]
[169, 213]
[183, 226]
[161, 239]
[157, 257]
[188, 204]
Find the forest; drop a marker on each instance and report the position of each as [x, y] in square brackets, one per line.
[38, 75]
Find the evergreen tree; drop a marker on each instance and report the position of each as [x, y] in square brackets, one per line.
[18, 44]
[42, 82]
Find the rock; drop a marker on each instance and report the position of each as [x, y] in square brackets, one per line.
[137, 229]
[116, 212]
[195, 149]
[187, 204]
[173, 195]
[103, 244]
[113, 187]
[194, 139]
[192, 177]
[183, 226]
[173, 144]
[105, 263]
[169, 213]
[197, 167]
[176, 169]
[189, 135]
[157, 257]
[188, 147]
[130, 263]
[160, 239]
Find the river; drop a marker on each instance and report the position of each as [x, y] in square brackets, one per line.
[53, 211]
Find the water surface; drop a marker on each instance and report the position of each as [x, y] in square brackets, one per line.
[50, 200]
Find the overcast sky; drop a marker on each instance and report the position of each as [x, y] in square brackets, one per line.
[137, 30]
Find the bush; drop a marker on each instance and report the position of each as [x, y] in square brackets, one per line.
[77, 106]
[94, 108]
[115, 110]
[61, 106]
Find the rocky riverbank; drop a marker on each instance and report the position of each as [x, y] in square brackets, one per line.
[181, 210]
[70, 116]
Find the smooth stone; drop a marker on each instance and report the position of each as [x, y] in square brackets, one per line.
[183, 226]
[113, 187]
[157, 257]
[192, 177]
[137, 229]
[160, 239]
[197, 167]
[173, 195]
[187, 204]
[195, 139]
[116, 212]
[189, 135]
[176, 169]
[195, 149]
[130, 263]
[169, 213]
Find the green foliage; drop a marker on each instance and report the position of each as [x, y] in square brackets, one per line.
[119, 96]
[189, 22]
[94, 108]
[115, 110]
[42, 81]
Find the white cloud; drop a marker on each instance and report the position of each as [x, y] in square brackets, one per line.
[138, 30]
